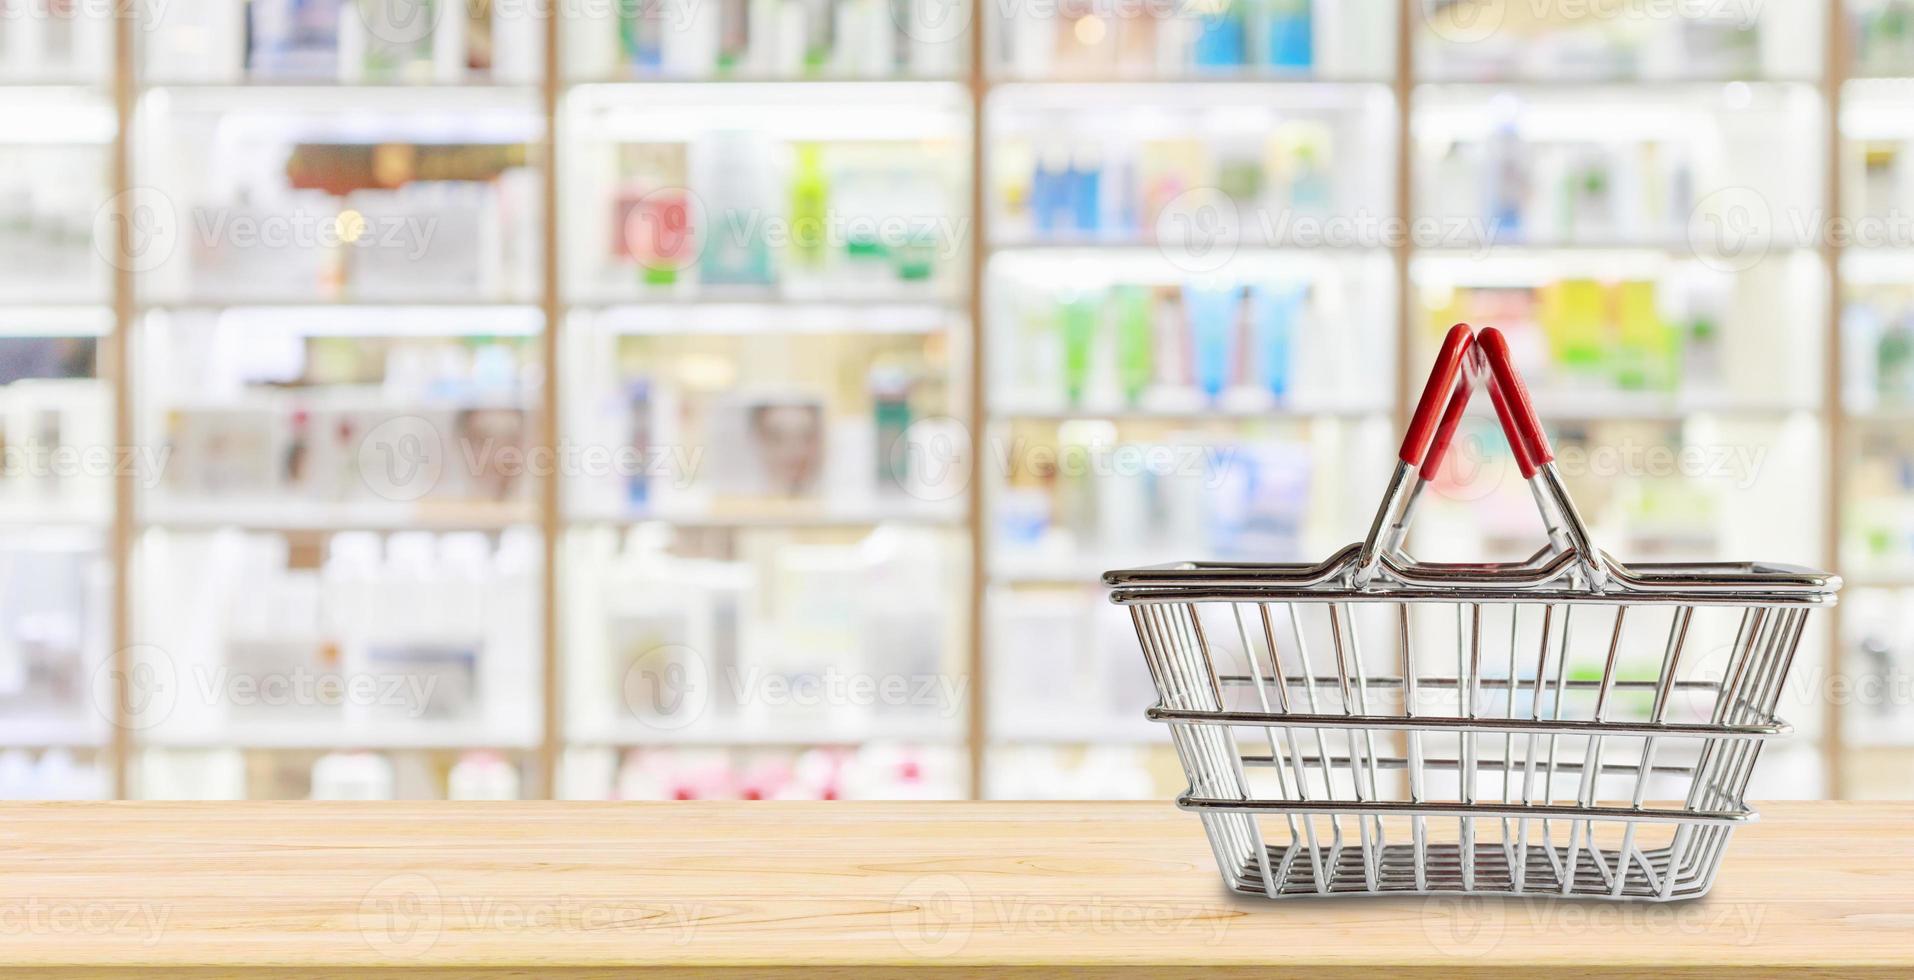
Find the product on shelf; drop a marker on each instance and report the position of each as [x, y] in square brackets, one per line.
[875, 771]
[286, 421]
[1603, 41]
[1522, 189]
[733, 210]
[1878, 515]
[482, 775]
[415, 633]
[49, 196]
[55, 423]
[1879, 624]
[55, 41]
[350, 41]
[1061, 668]
[352, 776]
[1068, 186]
[369, 222]
[1085, 492]
[802, 437]
[1101, 39]
[1877, 328]
[767, 40]
[54, 775]
[53, 601]
[795, 639]
[1237, 341]
[1660, 335]
[1100, 772]
[1883, 37]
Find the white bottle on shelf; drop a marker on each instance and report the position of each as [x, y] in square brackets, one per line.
[691, 49]
[482, 775]
[352, 44]
[352, 776]
[792, 26]
[449, 44]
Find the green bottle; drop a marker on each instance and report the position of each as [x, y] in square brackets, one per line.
[810, 194]
[1135, 342]
[1079, 336]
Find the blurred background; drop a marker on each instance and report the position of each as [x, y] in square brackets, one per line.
[739, 398]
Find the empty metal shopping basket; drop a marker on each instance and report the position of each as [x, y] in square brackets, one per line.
[1378, 725]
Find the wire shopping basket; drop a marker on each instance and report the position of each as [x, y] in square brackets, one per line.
[1377, 725]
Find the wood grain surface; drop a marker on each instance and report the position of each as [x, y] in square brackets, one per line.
[868, 889]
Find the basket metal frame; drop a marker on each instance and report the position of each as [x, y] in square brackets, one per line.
[1292, 721]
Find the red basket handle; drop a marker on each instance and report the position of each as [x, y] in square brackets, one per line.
[1448, 364]
[1513, 406]
[1514, 409]
[1438, 412]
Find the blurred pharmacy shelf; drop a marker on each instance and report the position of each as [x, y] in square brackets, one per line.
[741, 400]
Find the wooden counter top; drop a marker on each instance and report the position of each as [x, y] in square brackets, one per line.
[998, 889]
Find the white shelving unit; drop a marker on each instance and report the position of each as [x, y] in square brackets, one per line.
[1066, 323]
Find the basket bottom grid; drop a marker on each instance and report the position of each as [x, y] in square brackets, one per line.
[1490, 871]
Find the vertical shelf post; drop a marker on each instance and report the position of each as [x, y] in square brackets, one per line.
[1833, 75]
[975, 732]
[552, 483]
[119, 349]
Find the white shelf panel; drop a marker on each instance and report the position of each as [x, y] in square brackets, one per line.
[331, 736]
[325, 518]
[720, 317]
[782, 518]
[753, 733]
